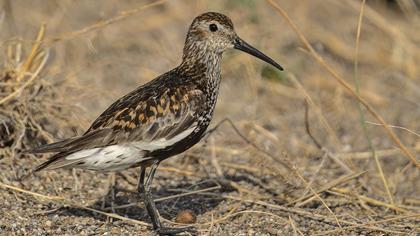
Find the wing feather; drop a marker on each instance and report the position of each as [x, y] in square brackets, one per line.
[72, 143]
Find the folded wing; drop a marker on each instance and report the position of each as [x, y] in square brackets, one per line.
[145, 120]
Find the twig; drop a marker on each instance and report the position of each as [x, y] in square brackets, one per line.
[307, 128]
[318, 111]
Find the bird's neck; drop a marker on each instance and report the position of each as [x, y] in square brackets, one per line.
[202, 65]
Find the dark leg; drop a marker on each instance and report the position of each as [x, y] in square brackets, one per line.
[144, 189]
[148, 198]
[140, 185]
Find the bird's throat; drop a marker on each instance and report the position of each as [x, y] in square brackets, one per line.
[204, 65]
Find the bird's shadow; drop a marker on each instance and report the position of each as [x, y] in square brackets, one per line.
[197, 203]
[125, 201]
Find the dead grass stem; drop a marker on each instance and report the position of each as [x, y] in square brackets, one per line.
[362, 116]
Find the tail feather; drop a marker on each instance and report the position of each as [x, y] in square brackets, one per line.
[55, 162]
[47, 163]
[52, 147]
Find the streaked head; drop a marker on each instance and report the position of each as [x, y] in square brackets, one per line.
[214, 32]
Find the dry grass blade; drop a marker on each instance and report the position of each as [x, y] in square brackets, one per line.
[362, 116]
[330, 185]
[34, 52]
[369, 200]
[187, 193]
[342, 82]
[396, 127]
[295, 229]
[380, 153]
[329, 232]
[167, 198]
[319, 198]
[6, 186]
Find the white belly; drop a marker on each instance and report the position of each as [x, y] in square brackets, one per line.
[110, 158]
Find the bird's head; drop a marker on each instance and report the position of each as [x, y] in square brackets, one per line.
[213, 32]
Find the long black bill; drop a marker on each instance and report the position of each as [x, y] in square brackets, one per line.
[245, 47]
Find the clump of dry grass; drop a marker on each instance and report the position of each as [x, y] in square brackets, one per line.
[28, 113]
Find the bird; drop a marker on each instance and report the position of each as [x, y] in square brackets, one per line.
[159, 119]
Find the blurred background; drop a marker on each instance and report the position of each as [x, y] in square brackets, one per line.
[101, 50]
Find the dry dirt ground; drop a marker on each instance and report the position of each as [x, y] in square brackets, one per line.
[99, 50]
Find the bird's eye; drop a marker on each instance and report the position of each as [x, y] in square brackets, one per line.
[213, 27]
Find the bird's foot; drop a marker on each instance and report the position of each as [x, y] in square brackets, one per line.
[175, 231]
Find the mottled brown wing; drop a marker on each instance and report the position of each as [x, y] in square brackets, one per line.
[66, 144]
[161, 116]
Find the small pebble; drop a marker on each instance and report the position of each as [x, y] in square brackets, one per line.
[186, 217]
[48, 223]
